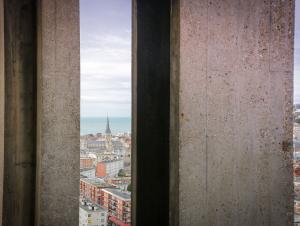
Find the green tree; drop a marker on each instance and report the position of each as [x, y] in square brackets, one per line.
[129, 187]
[121, 173]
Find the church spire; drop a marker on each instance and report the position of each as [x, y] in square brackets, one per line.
[107, 131]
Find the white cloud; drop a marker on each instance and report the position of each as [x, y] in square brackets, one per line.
[106, 75]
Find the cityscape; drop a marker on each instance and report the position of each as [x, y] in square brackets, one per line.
[105, 178]
[296, 164]
[105, 124]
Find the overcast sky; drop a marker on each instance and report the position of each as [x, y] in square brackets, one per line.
[106, 57]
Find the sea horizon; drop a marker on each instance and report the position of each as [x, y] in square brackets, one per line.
[93, 125]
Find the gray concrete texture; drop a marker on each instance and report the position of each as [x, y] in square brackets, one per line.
[233, 102]
[58, 133]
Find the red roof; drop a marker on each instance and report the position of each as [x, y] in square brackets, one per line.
[117, 221]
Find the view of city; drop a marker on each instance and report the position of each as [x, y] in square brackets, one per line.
[105, 143]
[105, 183]
[137, 113]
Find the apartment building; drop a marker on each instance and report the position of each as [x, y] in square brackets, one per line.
[91, 214]
[91, 188]
[109, 168]
[118, 205]
[86, 162]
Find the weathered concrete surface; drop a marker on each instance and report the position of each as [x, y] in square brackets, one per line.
[2, 99]
[174, 114]
[58, 113]
[232, 108]
[20, 112]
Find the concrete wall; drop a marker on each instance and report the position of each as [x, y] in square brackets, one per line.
[20, 112]
[2, 95]
[58, 92]
[230, 122]
[39, 112]
[232, 88]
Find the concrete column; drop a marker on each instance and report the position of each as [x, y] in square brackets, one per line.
[58, 92]
[231, 112]
[2, 99]
[20, 112]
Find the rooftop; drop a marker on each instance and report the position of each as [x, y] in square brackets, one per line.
[96, 181]
[95, 142]
[116, 192]
[85, 157]
[86, 169]
[111, 160]
[88, 207]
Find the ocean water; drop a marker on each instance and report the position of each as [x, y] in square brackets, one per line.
[94, 125]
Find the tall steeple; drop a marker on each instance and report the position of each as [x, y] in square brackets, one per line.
[108, 137]
[107, 131]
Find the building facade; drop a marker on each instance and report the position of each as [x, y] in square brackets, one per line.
[86, 162]
[118, 205]
[96, 145]
[88, 173]
[120, 182]
[109, 168]
[90, 188]
[92, 214]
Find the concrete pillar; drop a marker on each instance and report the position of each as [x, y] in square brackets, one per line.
[2, 99]
[58, 104]
[231, 112]
[20, 112]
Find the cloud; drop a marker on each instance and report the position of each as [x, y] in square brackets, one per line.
[105, 45]
[106, 54]
[106, 74]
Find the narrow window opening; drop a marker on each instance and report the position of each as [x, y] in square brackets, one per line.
[105, 142]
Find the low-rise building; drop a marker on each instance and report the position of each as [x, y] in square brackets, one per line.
[118, 205]
[297, 146]
[109, 168]
[86, 162]
[91, 214]
[83, 143]
[88, 173]
[91, 188]
[120, 182]
[117, 144]
[96, 144]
